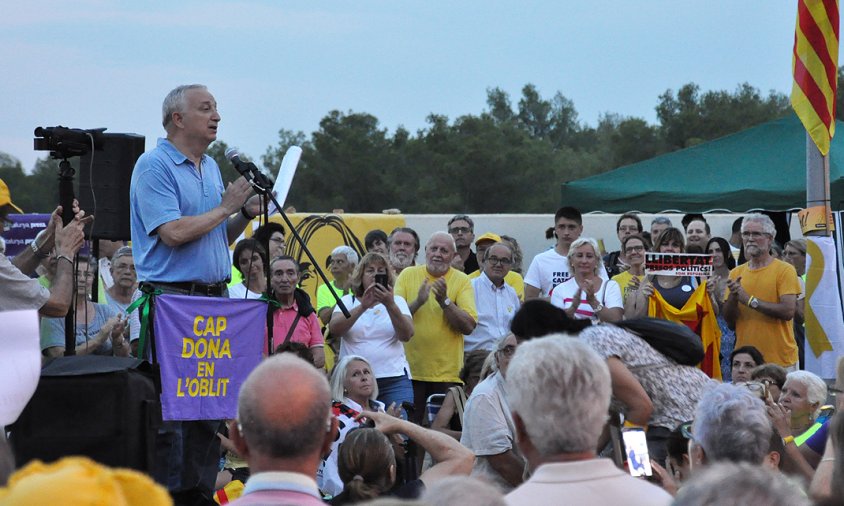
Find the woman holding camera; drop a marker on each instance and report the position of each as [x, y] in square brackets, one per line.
[379, 323]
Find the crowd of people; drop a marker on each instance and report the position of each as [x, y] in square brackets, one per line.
[525, 385]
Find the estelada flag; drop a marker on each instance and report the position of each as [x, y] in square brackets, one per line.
[815, 68]
[698, 315]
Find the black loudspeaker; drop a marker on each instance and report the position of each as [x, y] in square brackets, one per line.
[105, 408]
[104, 186]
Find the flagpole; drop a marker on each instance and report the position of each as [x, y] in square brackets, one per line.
[817, 184]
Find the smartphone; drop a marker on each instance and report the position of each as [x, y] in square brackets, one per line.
[383, 280]
[636, 450]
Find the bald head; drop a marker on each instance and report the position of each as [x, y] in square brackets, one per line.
[283, 409]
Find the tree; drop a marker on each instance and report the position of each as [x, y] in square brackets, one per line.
[691, 118]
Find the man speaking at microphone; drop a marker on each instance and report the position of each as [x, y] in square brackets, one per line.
[183, 220]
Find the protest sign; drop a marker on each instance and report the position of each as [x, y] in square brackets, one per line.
[206, 348]
[678, 264]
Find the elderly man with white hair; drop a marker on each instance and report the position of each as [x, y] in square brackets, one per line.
[442, 302]
[558, 434]
[762, 297]
[731, 424]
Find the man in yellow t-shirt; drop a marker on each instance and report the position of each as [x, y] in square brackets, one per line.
[442, 302]
[762, 296]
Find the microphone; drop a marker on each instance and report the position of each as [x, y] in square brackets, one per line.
[248, 170]
[239, 165]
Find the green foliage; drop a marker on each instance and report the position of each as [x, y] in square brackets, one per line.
[504, 159]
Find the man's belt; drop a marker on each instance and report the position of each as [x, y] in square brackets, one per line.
[212, 290]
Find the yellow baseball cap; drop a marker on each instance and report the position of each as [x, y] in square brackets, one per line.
[6, 197]
[489, 236]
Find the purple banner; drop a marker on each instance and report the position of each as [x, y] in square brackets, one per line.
[23, 231]
[206, 347]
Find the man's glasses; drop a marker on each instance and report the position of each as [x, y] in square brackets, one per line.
[508, 350]
[631, 249]
[496, 261]
[459, 230]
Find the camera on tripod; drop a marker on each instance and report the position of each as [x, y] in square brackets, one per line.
[62, 142]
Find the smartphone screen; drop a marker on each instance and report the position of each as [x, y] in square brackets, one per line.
[383, 280]
[636, 450]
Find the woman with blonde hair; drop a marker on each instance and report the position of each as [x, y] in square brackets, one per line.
[379, 325]
[586, 295]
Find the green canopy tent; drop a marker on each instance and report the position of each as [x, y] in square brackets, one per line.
[763, 167]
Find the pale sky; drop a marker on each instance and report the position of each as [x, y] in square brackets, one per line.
[274, 64]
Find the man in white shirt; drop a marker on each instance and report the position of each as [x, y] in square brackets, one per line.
[551, 268]
[559, 390]
[495, 300]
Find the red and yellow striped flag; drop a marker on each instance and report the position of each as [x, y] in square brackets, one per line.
[815, 69]
[698, 315]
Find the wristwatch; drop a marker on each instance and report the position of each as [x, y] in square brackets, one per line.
[599, 308]
[446, 302]
[753, 302]
[36, 248]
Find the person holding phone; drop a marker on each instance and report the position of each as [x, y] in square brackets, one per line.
[380, 322]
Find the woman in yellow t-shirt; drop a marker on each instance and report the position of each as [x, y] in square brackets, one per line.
[634, 248]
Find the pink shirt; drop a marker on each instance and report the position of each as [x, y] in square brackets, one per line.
[307, 332]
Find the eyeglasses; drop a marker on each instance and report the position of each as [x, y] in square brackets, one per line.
[496, 261]
[508, 350]
[686, 429]
[631, 249]
[459, 230]
[632, 228]
[279, 240]
[753, 234]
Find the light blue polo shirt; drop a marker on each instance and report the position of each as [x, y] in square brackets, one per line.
[166, 186]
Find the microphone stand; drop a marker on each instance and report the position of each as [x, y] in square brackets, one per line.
[263, 186]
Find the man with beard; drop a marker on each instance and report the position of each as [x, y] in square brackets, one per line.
[442, 302]
[762, 296]
[462, 229]
[403, 245]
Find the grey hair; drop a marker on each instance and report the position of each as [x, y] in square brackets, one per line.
[661, 220]
[123, 251]
[175, 101]
[501, 244]
[444, 235]
[763, 219]
[732, 424]
[583, 241]
[490, 365]
[570, 420]
[351, 255]
[744, 483]
[338, 377]
[463, 490]
[816, 390]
